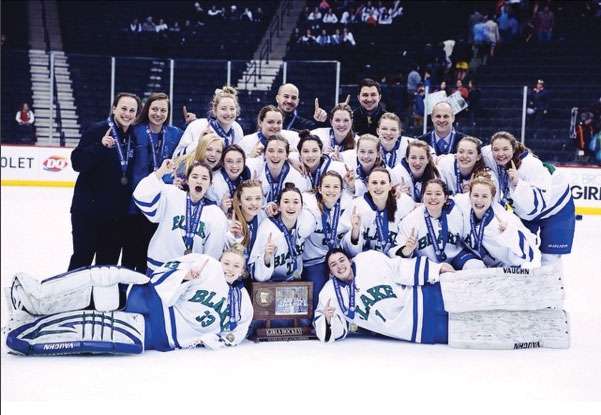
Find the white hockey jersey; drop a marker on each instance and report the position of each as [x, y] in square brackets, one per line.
[541, 191]
[449, 172]
[198, 310]
[315, 246]
[368, 235]
[166, 205]
[189, 140]
[388, 298]
[425, 246]
[350, 159]
[394, 157]
[515, 246]
[326, 134]
[283, 266]
[292, 176]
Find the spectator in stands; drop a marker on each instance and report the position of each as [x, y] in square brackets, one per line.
[528, 31]
[288, 98]
[315, 16]
[323, 39]
[443, 138]
[324, 5]
[417, 117]
[413, 80]
[259, 15]
[161, 26]
[330, 17]
[543, 24]
[25, 130]
[214, 14]
[103, 190]
[348, 38]
[199, 14]
[462, 90]
[385, 18]
[460, 57]
[481, 44]
[149, 25]
[441, 87]
[175, 29]
[135, 26]
[366, 117]
[538, 104]
[188, 31]
[308, 39]
[337, 38]
[584, 134]
[234, 13]
[474, 18]
[346, 17]
[493, 35]
[247, 15]
[474, 101]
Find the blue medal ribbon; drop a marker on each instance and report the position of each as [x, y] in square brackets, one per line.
[391, 156]
[503, 185]
[360, 174]
[275, 187]
[381, 225]
[160, 146]
[329, 223]
[235, 299]
[321, 169]
[290, 239]
[417, 184]
[477, 229]
[333, 141]
[231, 184]
[228, 137]
[262, 138]
[123, 158]
[253, 225]
[291, 122]
[192, 220]
[438, 249]
[350, 311]
[459, 178]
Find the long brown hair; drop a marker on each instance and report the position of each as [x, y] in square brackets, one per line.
[236, 203]
[390, 200]
[349, 140]
[430, 172]
[155, 96]
[479, 166]
[518, 148]
[329, 173]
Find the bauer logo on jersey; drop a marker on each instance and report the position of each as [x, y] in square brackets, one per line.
[179, 222]
[55, 163]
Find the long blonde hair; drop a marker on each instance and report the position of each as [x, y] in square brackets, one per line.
[184, 162]
[236, 204]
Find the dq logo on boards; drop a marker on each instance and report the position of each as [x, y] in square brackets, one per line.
[55, 163]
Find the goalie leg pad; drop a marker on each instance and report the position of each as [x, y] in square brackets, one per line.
[72, 290]
[503, 289]
[76, 332]
[504, 330]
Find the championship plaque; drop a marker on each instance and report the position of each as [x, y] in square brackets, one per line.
[289, 300]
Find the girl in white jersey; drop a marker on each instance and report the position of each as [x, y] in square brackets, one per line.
[435, 230]
[394, 145]
[380, 212]
[208, 152]
[340, 136]
[360, 162]
[457, 169]
[539, 194]
[326, 204]
[277, 172]
[187, 221]
[234, 169]
[269, 123]
[416, 169]
[221, 121]
[316, 163]
[494, 234]
[278, 250]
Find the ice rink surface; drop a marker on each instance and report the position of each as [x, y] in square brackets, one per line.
[355, 375]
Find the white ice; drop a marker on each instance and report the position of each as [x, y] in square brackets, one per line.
[355, 373]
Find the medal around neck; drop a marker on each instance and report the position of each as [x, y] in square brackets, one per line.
[123, 180]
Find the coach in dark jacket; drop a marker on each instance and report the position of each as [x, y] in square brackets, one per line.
[443, 139]
[103, 187]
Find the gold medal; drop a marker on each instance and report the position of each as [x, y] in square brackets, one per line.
[187, 251]
[123, 180]
[230, 337]
[352, 327]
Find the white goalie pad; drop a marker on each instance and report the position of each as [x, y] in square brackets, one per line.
[504, 330]
[72, 290]
[76, 332]
[503, 289]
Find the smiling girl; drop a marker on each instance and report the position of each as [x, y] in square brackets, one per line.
[538, 193]
[394, 145]
[269, 123]
[278, 250]
[416, 169]
[316, 163]
[340, 136]
[224, 109]
[188, 222]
